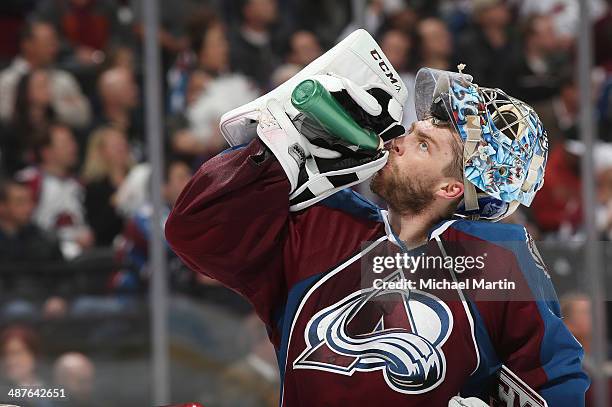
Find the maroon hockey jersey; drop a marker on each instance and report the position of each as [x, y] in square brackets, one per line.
[344, 339]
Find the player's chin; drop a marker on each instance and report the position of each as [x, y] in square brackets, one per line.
[387, 168]
[380, 179]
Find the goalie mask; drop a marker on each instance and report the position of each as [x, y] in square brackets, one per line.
[505, 145]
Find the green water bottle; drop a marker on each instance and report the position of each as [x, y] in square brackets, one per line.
[311, 98]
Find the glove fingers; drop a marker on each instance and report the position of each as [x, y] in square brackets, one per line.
[317, 183]
[387, 125]
[393, 131]
[325, 165]
[323, 152]
[362, 98]
[330, 82]
[371, 106]
[395, 110]
[365, 100]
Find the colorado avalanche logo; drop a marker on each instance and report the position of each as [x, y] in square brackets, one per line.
[411, 359]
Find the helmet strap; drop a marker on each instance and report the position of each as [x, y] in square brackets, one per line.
[473, 131]
[532, 174]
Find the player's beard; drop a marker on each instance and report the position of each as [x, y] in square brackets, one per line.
[403, 194]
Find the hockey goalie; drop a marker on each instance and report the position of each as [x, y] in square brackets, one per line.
[275, 219]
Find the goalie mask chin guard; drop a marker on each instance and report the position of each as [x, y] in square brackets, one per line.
[505, 144]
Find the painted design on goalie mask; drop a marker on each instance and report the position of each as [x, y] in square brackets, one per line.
[500, 165]
[411, 361]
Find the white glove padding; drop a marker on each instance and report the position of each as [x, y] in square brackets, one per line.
[468, 402]
[314, 171]
[372, 106]
[323, 177]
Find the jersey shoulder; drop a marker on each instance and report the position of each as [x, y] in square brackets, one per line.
[490, 231]
[518, 247]
[353, 204]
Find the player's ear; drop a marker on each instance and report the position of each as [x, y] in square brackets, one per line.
[450, 189]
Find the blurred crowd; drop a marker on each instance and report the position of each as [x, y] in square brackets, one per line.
[74, 177]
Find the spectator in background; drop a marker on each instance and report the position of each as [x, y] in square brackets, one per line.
[20, 239]
[184, 140]
[602, 38]
[303, 47]
[54, 307]
[134, 190]
[32, 115]
[251, 44]
[86, 25]
[19, 350]
[58, 195]
[107, 163]
[602, 155]
[326, 19]
[212, 91]
[558, 207]
[283, 73]
[39, 46]
[209, 44]
[120, 56]
[560, 114]
[173, 36]
[489, 39]
[576, 311]
[534, 72]
[13, 16]
[404, 16]
[434, 42]
[75, 373]
[255, 376]
[380, 13]
[118, 92]
[133, 247]
[397, 47]
[565, 15]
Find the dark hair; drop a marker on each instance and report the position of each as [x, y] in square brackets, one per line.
[240, 5]
[27, 31]
[46, 139]
[413, 50]
[285, 45]
[26, 131]
[5, 184]
[171, 162]
[198, 26]
[23, 333]
[527, 29]
[417, 37]
[567, 78]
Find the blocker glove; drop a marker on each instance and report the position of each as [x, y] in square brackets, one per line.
[317, 163]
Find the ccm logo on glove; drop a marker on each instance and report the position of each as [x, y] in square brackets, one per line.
[385, 68]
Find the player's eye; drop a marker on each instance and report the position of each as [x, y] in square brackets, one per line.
[423, 146]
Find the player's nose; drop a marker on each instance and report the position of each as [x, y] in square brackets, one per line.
[398, 146]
